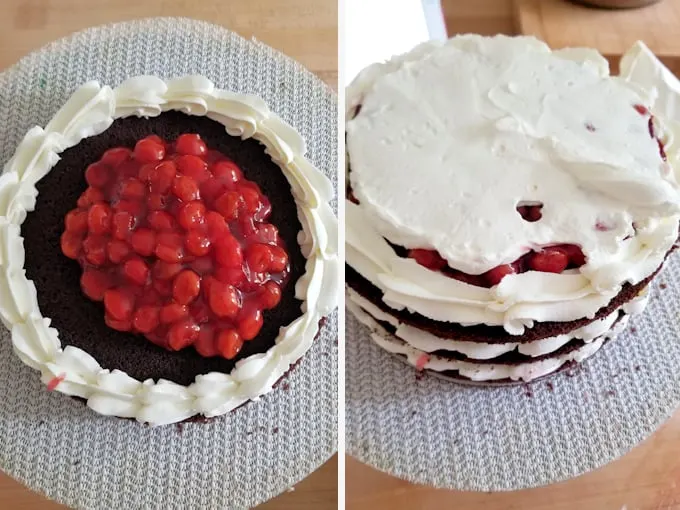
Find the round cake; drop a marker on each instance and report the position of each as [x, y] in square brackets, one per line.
[167, 250]
[507, 205]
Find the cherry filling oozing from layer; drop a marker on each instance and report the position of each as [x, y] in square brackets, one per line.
[175, 242]
[552, 259]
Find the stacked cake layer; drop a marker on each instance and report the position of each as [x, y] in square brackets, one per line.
[507, 205]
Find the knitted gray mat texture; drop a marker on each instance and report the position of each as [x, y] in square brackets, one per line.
[435, 432]
[57, 446]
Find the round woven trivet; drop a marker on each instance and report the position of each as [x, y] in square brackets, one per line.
[56, 445]
[435, 432]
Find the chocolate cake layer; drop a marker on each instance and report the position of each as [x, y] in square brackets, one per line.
[482, 333]
[79, 320]
[509, 358]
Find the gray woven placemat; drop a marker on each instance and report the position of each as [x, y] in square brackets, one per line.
[438, 433]
[59, 447]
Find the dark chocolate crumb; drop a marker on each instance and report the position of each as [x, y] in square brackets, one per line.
[550, 386]
[413, 413]
[663, 286]
[285, 386]
[420, 375]
[637, 368]
[528, 390]
[180, 427]
[633, 329]
[276, 430]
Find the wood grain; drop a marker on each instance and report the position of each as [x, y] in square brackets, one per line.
[612, 32]
[305, 30]
[647, 478]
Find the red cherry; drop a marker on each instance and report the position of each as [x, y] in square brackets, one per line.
[185, 188]
[279, 259]
[156, 201]
[145, 172]
[191, 215]
[228, 252]
[116, 156]
[231, 275]
[99, 219]
[211, 189]
[270, 295]
[134, 207]
[97, 175]
[197, 243]
[71, 244]
[194, 168]
[143, 241]
[217, 226]
[95, 283]
[161, 220]
[250, 322]
[229, 343]
[190, 144]
[530, 213]
[162, 177]
[162, 287]
[148, 151]
[205, 344]
[133, 189]
[186, 287]
[123, 223]
[145, 319]
[173, 313]
[136, 271]
[470, 279]
[95, 250]
[125, 325]
[575, 254]
[182, 334]
[259, 257]
[118, 251]
[228, 205]
[119, 304]
[200, 311]
[550, 260]
[495, 275]
[227, 172]
[251, 199]
[428, 258]
[76, 221]
[224, 299]
[165, 270]
[90, 196]
[169, 247]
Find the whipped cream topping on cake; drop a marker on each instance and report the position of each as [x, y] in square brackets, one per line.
[446, 142]
[90, 111]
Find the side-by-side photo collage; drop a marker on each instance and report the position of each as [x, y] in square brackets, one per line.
[340, 254]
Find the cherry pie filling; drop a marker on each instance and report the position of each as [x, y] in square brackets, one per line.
[175, 242]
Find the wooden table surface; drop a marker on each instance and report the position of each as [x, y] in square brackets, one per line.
[305, 30]
[647, 478]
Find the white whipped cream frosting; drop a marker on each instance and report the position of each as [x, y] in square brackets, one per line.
[452, 136]
[89, 112]
[428, 343]
[475, 370]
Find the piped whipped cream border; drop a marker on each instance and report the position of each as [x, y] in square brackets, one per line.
[90, 111]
